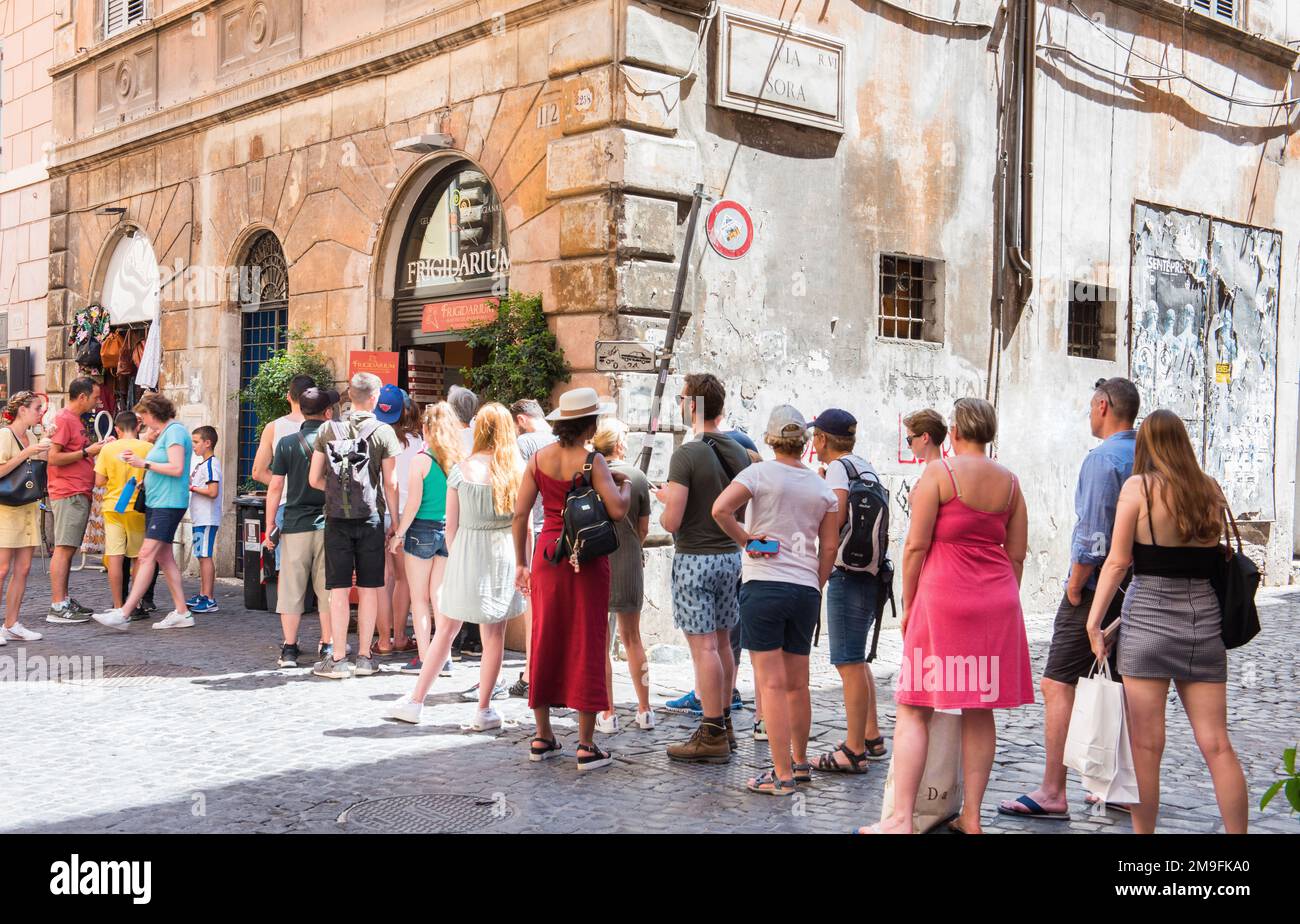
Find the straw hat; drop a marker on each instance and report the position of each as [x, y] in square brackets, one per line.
[580, 402]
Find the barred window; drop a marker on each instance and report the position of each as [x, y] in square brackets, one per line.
[1090, 322]
[909, 298]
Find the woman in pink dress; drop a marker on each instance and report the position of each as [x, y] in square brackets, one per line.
[964, 645]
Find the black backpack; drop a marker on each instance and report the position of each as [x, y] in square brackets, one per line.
[588, 530]
[864, 539]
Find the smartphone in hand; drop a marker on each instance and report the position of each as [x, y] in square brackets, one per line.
[768, 547]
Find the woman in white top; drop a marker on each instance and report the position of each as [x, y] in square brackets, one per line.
[791, 544]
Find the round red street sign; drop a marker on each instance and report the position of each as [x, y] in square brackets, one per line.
[730, 229]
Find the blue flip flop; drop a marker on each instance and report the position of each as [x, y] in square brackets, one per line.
[1035, 811]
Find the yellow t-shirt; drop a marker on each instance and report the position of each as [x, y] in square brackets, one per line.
[109, 464]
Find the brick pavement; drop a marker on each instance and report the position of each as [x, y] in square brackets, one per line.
[195, 730]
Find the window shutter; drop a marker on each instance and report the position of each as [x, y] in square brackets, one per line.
[114, 17]
[120, 15]
[1219, 9]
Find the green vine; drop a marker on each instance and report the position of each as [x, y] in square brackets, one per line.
[524, 359]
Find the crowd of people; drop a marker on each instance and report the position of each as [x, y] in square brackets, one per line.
[456, 518]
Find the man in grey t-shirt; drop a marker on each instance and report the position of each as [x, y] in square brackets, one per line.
[706, 563]
[534, 435]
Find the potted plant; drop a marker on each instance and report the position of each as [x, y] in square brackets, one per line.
[524, 359]
[266, 390]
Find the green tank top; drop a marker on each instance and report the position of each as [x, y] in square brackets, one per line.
[433, 501]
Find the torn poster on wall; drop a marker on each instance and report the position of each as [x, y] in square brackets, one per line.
[1203, 342]
[1243, 336]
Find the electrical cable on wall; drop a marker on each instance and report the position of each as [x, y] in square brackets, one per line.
[1169, 73]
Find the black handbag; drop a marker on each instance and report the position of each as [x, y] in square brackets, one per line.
[1235, 585]
[588, 530]
[26, 483]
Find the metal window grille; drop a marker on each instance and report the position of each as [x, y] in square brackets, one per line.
[264, 329]
[120, 15]
[907, 297]
[1084, 328]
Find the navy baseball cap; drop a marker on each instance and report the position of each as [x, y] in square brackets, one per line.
[835, 422]
[392, 401]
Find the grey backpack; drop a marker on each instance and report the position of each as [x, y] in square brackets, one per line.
[350, 490]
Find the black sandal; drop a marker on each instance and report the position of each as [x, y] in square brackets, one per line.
[875, 748]
[595, 759]
[550, 748]
[802, 773]
[857, 762]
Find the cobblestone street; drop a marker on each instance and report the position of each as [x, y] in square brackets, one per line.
[196, 731]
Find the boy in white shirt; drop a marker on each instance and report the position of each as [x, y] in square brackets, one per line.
[205, 515]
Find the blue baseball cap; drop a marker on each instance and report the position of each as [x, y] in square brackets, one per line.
[391, 403]
[836, 422]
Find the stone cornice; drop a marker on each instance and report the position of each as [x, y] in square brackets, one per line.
[380, 53]
[144, 27]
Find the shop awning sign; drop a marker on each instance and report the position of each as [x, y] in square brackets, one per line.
[379, 363]
[730, 229]
[459, 314]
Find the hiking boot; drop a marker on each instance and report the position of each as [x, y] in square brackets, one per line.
[731, 735]
[707, 745]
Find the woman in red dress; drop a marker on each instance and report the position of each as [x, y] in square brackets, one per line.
[570, 606]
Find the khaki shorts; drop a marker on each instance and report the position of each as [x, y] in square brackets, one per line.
[123, 533]
[70, 517]
[302, 563]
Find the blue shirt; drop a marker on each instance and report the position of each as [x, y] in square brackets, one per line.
[741, 437]
[1101, 476]
[169, 491]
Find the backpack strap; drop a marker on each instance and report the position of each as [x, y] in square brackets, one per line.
[712, 442]
[875, 634]
[302, 441]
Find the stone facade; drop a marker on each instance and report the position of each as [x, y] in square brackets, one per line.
[26, 129]
[218, 119]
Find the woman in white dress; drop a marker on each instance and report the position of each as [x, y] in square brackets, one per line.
[479, 584]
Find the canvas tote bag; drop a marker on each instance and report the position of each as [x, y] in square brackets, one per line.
[939, 798]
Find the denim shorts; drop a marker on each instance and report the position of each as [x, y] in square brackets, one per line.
[850, 614]
[425, 539]
[777, 615]
[160, 523]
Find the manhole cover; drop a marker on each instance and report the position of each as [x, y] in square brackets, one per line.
[442, 813]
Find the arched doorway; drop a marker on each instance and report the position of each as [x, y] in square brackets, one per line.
[263, 328]
[453, 263]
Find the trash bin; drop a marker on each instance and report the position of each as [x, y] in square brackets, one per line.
[250, 512]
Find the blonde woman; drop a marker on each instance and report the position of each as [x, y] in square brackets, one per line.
[421, 532]
[479, 583]
[627, 584]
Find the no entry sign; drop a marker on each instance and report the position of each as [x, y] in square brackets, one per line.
[730, 229]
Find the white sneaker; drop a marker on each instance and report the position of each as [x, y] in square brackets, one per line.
[3, 642]
[175, 620]
[20, 633]
[645, 720]
[607, 726]
[114, 619]
[406, 711]
[485, 719]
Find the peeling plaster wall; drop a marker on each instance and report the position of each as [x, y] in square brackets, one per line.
[914, 172]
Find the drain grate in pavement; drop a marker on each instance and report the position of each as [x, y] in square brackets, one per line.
[437, 813]
[118, 675]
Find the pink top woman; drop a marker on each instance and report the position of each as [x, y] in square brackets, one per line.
[965, 645]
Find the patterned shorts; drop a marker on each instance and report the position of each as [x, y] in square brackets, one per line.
[706, 592]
